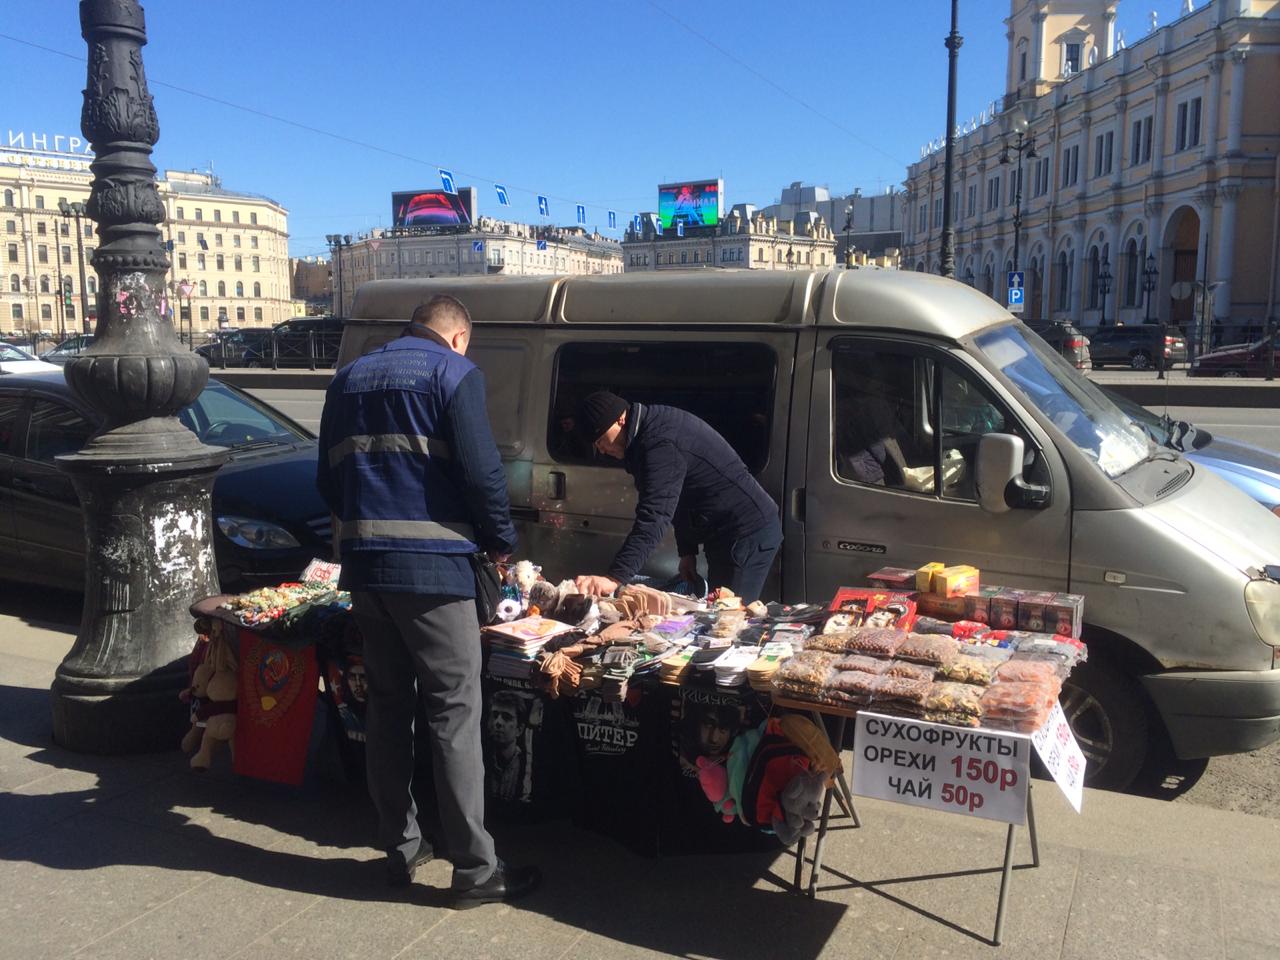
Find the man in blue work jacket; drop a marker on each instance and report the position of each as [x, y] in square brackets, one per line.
[409, 467]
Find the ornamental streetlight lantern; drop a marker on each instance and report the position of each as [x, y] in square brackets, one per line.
[1104, 287]
[1150, 274]
[1023, 144]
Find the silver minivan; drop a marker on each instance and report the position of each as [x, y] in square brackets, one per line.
[896, 418]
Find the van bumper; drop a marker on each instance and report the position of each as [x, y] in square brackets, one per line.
[1214, 712]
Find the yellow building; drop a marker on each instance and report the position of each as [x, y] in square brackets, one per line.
[1164, 148]
[745, 239]
[232, 248]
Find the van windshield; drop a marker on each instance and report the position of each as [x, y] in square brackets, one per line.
[1076, 406]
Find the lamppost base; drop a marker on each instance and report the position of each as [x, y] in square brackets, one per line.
[147, 559]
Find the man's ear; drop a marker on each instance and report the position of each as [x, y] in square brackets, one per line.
[459, 341]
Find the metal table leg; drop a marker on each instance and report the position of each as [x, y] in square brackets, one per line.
[1031, 829]
[1004, 886]
[800, 845]
[825, 821]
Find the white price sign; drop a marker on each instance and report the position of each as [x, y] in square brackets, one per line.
[1061, 755]
[321, 571]
[978, 773]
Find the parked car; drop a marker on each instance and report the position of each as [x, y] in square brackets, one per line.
[1252, 469]
[269, 520]
[68, 348]
[1014, 462]
[1137, 345]
[228, 347]
[1065, 337]
[1238, 360]
[16, 360]
[300, 342]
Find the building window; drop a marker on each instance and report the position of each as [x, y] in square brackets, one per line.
[937, 212]
[181, 215]
[15, 284]
[182, 261]
[44, 283]
[39, 202]
[1022, 65]
[257, 289]
[15, 311]
[203, 288]
[217, 216]
[182, 236]
[1041, 185]
[1131, 274]
[8, 198]
[201, 242]
[253, 243]
[13, 253]
[66, 254]
[217, 239]
[257, 314]
[199, 215]
[88, 230]
[1070, 59]
[11, 226]
[46, 312]
[93, 285]
[973, 199]
[220, 262]
[1187, 126]
[42, 253]
[235, 216]
[204, 314]
[1071, 165]
[253, 218]
[1103, 144]
[239, 262]
[1064, 281]
[240, 314]
[239, 288]
[1095, 270]
[40, 229]
[684, 256]
[993, 192]
[235, 241]
[200, 261]
[222, 288]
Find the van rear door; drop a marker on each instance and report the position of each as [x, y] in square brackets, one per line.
[894, 430]
[737, 379]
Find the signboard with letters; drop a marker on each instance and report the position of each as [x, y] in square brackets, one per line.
[1017, 292]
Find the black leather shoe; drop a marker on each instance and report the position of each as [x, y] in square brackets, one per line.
[399, 873]
[506, 884]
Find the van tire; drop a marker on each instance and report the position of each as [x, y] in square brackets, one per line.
[1108, 714]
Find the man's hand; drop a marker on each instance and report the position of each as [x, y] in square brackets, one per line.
[689, 568]
[596, 586]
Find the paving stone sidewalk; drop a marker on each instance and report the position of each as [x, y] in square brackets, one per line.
[138, 858]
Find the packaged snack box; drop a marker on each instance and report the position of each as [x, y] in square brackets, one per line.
[877, 608]
[1064, 615]
[1004, 609]
[924, 576]
[955, 581]
[1033, 610]
[893, 578]
[978, 604]
[942, 608]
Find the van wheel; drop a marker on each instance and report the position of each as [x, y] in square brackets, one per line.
[1107, 713]
[1140, 361]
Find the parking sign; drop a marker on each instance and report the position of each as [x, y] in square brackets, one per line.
[1017, 292]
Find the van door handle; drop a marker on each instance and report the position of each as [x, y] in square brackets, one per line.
[797, 504]
[555, 485]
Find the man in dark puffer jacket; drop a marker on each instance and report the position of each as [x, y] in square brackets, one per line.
[688, 476]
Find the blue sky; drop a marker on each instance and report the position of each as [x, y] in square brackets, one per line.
[587, 102]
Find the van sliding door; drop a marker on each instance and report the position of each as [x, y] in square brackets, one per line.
[738, 380]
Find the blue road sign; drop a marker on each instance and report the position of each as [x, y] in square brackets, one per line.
[582, 214]
[679, 228]
[503, 201]
[1016, 291]
[613, 220]
[477, 246]
[542, 244]
[544, 208]
[637, 222]
[446, 178]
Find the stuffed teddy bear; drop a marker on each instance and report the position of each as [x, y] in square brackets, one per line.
[215, 683]
[801, 803]
[199, 654]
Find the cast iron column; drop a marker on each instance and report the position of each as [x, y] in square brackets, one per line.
[143, 478]
[953, 42]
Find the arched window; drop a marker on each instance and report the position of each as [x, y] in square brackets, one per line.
[1131, 274]
[239, 289]
[46, 312]
[257, 290]
[15, 285]
[204, 289]
[988, 280]
[44, 283]
[1064, 281]
[1095, 269]
[222, 288]
[8, 198]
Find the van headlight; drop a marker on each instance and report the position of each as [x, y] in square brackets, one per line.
[1262, 600]
[259, 534]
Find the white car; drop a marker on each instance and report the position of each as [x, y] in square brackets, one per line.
[13, 360]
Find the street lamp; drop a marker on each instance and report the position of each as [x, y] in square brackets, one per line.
[1104, 287]
[76, 209]
[952, 43]
[1023, 144]
[848, 226]
[1149, 275]
[337, 241]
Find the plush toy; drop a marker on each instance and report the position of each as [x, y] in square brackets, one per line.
[199, 653]
[523, 575]
[801, 804]
[714, 780]
[215, 684]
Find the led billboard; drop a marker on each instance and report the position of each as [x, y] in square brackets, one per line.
[698, 203]
[431, 208]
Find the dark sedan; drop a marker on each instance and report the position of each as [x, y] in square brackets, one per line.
[228, 347]
[1238, 360]
[269, 520]
[1137, 346]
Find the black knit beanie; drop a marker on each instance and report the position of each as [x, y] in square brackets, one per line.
[598, 412]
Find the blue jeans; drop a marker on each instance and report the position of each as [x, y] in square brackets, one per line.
[742, 564]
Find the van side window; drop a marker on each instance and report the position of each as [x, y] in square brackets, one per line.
[889, 406]
[729, 385]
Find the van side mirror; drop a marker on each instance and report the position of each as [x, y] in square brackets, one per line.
[998, 478]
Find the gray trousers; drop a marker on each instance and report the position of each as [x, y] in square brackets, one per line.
[429, 646]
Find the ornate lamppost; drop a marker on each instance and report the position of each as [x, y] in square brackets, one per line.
[1022, 144]
[1104, 287]
[143, 478]
[76, 209]
[1150, 275]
